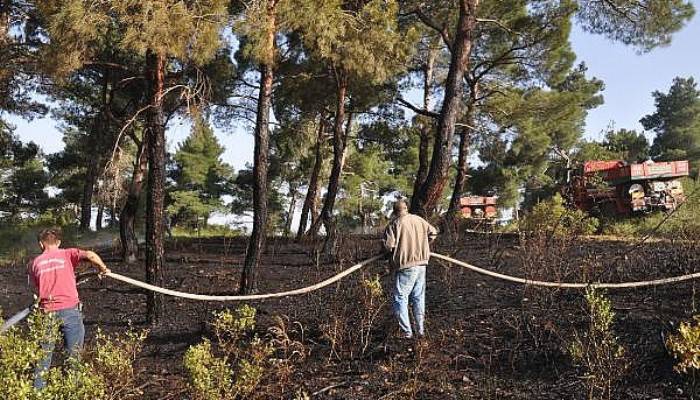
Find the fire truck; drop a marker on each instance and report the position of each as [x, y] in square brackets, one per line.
[479, 207]
[619, 188]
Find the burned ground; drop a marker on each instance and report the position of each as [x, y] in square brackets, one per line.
[487, 339]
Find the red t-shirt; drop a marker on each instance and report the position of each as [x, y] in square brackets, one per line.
[53, 276]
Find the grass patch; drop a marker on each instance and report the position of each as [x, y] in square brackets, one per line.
[206, 232]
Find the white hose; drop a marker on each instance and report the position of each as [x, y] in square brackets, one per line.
[203, 297]
[341, 275]
[625, 285]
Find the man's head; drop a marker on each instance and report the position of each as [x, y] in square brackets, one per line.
[400, 208]
[50, 238]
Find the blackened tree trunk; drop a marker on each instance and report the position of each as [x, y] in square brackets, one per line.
[293, 191]
[100, 217]
[462, 166]
[127, 218]
[312, 192]
[339, 144]
[88, 190]
[156, 184]
[262, 143]
[427, 197]
[426, 127]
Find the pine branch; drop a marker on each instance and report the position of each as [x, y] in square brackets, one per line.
[417, 110]
[433, 25]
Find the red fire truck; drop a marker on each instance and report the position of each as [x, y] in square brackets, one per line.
[479, 207]
[619, 188]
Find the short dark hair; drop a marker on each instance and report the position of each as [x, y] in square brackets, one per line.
[50, 235]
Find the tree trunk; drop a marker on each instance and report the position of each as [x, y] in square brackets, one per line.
[88, 190]
[312, 192]
[100, 217]
[462, 166]
[262, 139]
[127, 218]
[315, 213]
[429, 194]
[292, 208]
[339, 144]
[426, 125]
[156, 184]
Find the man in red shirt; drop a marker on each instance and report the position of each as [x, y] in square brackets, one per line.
[52, 277]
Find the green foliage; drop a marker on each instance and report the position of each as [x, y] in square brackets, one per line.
[210, 377]
[19, 354]
[644, 24]
[112, 359]
[200, 176]
[530, 125]
[22, 179]
[630, 145]
[206, 231]
[234, 366]
[367, 180]
[597, 349]
[552, 218]
[173, 28]
[676, 123]
[105, 372]
[684, 346]
[364, 39]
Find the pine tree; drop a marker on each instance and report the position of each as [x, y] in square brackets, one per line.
[627, 144]
[159, 31]
[676, 123]
[23, 180]
[358, 42]
[643, 24]
[201, 177]
[259, 26]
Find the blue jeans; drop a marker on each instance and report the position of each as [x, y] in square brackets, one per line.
[410, 287]
[73, 332]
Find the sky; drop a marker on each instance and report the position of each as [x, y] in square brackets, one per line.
[629, 78]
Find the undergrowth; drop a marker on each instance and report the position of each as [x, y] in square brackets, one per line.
[104, 372]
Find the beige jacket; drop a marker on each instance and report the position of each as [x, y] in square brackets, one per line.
[408, 238]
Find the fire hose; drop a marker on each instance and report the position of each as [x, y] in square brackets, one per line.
[200, 297]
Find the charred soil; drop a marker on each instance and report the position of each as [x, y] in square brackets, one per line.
[487, 339]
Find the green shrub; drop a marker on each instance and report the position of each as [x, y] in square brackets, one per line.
[233, 367]
[552, 218]
[210, 377]
[597, 349]
[684, 346]
[105, 372]
[112, 357]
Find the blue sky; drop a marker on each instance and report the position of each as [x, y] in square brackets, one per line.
[629, 78]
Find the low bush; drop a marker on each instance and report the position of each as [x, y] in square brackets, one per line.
[597, 350]
[684, 346]
[233, 366]
[104, 372]
[552, 218]
[353, 313]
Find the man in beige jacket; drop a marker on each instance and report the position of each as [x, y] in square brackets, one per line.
[407, 238]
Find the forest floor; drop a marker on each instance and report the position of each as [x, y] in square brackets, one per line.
[487, 339]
